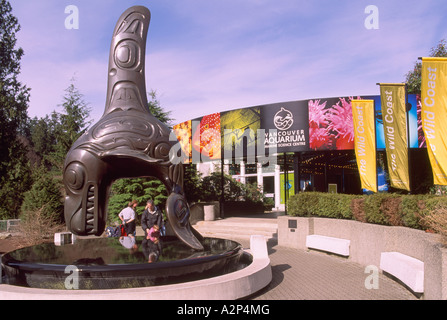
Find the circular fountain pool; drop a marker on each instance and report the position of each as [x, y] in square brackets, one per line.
[125, 262]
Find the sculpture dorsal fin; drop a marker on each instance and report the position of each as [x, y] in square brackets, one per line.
[126, 88]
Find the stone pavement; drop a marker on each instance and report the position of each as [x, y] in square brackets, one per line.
[311, 275]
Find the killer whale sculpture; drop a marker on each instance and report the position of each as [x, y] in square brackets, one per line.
[127, 142]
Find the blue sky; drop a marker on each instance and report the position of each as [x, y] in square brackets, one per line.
[206, 56]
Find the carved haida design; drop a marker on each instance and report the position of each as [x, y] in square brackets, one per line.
[128, 141]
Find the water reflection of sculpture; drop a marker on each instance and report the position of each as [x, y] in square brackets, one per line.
[127, 142]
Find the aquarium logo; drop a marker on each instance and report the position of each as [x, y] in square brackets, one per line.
[283, 119]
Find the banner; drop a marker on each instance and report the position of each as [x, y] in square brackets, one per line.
[330, 124]
[240, 128]
[206, 138]
[365, 142]
[434, 115]
[182, 132]
[394, 118]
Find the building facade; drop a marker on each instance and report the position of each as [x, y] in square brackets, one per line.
[290, 147]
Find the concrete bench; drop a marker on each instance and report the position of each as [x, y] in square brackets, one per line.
[405, 268]
[329, 244]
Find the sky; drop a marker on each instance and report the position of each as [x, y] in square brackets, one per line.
[207, 56]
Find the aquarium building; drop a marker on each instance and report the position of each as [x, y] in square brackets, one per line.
[295, 146]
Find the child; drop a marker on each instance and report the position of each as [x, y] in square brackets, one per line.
[154, 233]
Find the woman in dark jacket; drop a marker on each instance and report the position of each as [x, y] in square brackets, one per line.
[151, 216]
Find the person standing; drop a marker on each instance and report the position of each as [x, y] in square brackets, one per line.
[152, 215]
[127, 216]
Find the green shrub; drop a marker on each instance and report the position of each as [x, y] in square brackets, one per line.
[430, 206]
[328, 205]
[325, 206]
[385, 209]
[412, 206]
[344, 206]
[303, 204]
[320, 204]
[372, 211]
[437, 220]
[380, 208]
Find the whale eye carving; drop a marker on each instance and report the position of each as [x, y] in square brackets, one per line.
[74, 176]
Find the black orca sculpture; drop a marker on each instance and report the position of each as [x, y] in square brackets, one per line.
[127, 142]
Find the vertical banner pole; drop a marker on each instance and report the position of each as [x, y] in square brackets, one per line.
[286, 180]
[222, 183]
[375, 143]
[407, 111]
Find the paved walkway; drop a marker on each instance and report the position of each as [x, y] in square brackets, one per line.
[311, 275]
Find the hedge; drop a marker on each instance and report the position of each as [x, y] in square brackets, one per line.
[379, 208]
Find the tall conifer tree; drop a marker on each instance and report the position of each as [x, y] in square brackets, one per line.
[14, 97]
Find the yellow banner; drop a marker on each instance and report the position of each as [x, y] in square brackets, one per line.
[394, 117]
[365, 142]
[434, 115]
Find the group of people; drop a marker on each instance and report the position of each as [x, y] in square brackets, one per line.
[152, 224]
[151, 220]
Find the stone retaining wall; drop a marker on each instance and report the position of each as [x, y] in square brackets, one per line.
[369, 240]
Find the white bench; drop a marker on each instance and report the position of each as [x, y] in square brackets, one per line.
[329, 244]
[405, 268]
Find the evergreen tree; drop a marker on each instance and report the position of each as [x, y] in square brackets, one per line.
[69, 125]
[192, 183]
[14, 98]
[15, 181]
[157, 111]
[51, 138]
[413, 78]
[45, 194]
[43, 138]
